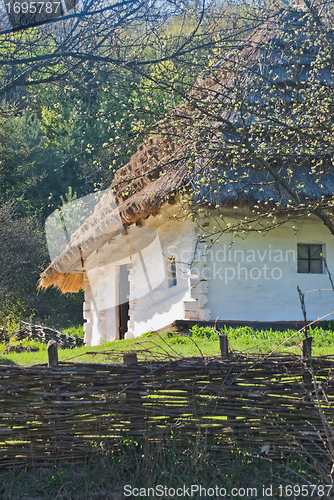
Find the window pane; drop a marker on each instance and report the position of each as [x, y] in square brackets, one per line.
[302, 266]
[302, 251]
[315, 251]
[316, 267]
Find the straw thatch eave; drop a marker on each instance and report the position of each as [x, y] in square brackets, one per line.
[66, 270]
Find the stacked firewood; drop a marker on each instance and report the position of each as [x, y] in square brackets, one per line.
[44, 334]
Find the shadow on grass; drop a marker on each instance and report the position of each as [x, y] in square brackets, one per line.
[147, 465]
[6, 361]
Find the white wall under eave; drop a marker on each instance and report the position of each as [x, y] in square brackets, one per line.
[164, 304]
[153, 304]
[256, 279]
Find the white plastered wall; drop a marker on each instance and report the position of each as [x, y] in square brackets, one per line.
[153, 304]
[256, 278]
[251, 279]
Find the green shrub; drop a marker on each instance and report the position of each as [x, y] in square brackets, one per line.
[207, 332]
[75, 330]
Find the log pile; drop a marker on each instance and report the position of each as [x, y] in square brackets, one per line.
[20, 348]
[269, 405]
[44, 334]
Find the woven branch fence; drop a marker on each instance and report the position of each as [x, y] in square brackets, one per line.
[270, 404]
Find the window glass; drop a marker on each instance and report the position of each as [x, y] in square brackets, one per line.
[315, 251]
[316, 266]
[302, 266]
[303, 252]
[309, 258]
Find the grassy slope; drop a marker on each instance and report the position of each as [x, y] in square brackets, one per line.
[202, 342]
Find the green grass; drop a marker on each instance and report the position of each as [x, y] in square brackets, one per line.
[104, 477]
[250, 341]
[200, 342]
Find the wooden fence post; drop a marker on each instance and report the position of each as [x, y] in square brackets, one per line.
[307, 347]
[136, 421]
[307, 354]
[52, 348]
[130, 358]
[223, 343]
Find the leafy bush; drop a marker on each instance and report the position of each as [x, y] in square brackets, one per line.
[204, 332]
[75, 330]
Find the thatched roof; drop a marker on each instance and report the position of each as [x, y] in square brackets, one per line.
[159, 170]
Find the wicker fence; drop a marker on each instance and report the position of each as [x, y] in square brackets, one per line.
[271, 404]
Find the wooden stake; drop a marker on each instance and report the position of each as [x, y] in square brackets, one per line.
[307, 354]
[130, 358]
[4, 329]
[223, 342]
[52, 348]
[307, 347]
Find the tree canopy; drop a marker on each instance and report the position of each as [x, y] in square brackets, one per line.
[251, 85]
[262, 119]
[78, 94]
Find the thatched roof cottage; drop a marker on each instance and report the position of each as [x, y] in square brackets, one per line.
[168, 249]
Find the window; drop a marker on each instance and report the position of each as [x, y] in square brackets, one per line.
[309, 258]
[171, 271]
